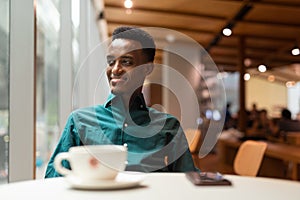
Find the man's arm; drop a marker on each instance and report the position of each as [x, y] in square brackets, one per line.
[181, 155]
[184, 162]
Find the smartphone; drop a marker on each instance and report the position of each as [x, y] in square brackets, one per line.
[207, 178]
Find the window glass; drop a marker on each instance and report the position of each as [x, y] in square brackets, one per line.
[47, 74]
[54, 21]
[4, 89]
[48, 66]
[75, 28]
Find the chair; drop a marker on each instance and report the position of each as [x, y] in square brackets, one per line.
[249, 157]
[292, 137]
[193, 137]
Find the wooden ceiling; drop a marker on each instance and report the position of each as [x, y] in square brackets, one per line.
[265, 33]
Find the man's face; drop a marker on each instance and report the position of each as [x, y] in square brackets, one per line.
[127, 68]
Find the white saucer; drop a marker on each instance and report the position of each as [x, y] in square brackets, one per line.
[122, 181]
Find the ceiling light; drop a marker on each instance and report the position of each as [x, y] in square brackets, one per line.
[296, 51]
[128, 4]
[247, 62]
[128, 11]
[205, 93]
[230, 25]
[262, 68]
[216, 115]
[247, 77]
[290, 84]
[271, 78]
[227, 31]
[170, 38]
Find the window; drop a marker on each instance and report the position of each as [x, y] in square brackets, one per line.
[47, 74]
[4, 89]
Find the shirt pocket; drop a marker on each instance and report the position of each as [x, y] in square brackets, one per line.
[93, 136]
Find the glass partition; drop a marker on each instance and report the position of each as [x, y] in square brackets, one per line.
[4, 89]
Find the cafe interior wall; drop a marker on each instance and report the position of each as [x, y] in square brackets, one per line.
[272, 96]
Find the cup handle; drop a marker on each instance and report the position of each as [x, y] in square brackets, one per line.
[57, 163]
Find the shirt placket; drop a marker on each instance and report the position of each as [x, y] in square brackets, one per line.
[124, 126]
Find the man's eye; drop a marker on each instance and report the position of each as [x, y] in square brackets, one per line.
[126, 62]
[110, 62]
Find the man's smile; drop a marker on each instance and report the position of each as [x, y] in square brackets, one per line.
[118, 80]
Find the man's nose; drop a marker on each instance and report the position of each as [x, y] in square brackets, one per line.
[117, 68]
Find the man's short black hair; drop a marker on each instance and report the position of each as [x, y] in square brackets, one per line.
[137, 34]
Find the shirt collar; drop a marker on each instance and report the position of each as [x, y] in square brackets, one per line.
[138, 103]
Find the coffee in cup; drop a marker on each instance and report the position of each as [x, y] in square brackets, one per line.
[100, 162]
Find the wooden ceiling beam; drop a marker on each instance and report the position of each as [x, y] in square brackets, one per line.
[286, 4]
[256, 53]
[165, 11]
[189, 31]
[153, 24]
[196, 15]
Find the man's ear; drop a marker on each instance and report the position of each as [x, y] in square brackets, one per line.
[149, 68]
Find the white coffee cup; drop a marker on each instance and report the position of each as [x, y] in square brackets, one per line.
[101, 162]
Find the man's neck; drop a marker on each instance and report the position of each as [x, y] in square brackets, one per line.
[128, 100]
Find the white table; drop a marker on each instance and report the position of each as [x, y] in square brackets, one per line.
[168, 186]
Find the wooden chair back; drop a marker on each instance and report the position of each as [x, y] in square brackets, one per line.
[249, 158]
[193, 137]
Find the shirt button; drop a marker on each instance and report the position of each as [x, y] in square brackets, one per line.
[141, 106]
[125, 145]
[125, 124]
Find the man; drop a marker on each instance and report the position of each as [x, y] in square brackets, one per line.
[286, 123]
[155, 140]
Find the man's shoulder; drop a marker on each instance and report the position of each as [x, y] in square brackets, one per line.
[86, 116]
[87, 112]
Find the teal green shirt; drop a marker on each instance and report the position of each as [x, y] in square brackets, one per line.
[155, 140]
